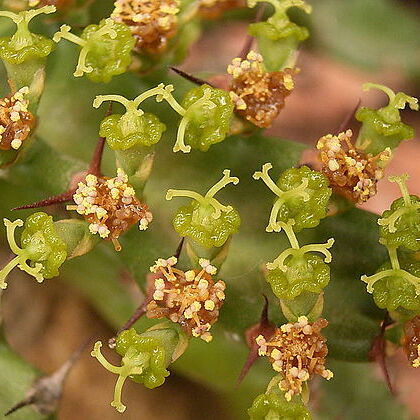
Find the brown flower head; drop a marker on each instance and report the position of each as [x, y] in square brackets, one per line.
[190, 298]
[152, 22]
[110, 206]
[213, 9]
[351, 172]
[259, 96]
[412, 341]
[297, 351]
[16, 122]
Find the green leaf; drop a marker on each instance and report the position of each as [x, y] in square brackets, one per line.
[370, 34]
[16, 377]
[354, 393]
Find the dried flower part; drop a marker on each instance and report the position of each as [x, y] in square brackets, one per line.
[110, 206]
[213, 9]
[192, 298]
[412, 341]
[152, 23]
[351, 172]
[16, 122]
[258, 95]
[297, 351]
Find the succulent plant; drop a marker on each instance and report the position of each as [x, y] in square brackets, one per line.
[201, 302]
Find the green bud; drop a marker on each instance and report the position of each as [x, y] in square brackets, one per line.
[279, 38]
[41, 245]
[205, 220]
[302, 196]
[400, 225]
[145, 357]
[273, 406]
[299, 272]
[24, 45]
[383, 127]
[207, 117]
[396, 286]
[106, 49]
[134, 128]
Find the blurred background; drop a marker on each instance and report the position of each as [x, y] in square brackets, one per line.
[352, 42]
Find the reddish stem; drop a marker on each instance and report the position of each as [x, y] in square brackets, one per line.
[344, 125]
[377, 352]
[264, 328]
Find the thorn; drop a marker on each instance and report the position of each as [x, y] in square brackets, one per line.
[249, 41]
[377, 353]
[179, 248]
[190, 77]
[45, 393]
[56, 199]
[94, 168]
[344, 125]
[265, 328]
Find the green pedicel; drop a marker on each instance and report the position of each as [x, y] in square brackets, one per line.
[279, 38]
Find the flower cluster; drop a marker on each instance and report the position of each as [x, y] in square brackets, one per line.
[350, 171]
[152, 22]
[298, 352]
[206, 115]
[258, 95]
[110, 206]
[16, 122]
[191, 298]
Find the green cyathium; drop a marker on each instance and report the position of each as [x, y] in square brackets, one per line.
[205, 219]
[123, 131]
[24, 45]
[383, 127]
[279, 38]
[41, 245]
[400, 225]
[106, 49]
[302, 196]
[298, 269]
